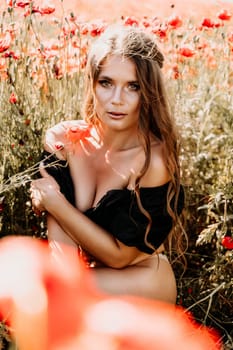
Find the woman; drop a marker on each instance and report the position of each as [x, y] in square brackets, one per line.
[120, 197]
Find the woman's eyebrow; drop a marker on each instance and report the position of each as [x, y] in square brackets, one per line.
[111, 79]
[104, 77]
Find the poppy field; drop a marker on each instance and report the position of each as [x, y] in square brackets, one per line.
[43, 53]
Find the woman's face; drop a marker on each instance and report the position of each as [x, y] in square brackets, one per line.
[117, 94]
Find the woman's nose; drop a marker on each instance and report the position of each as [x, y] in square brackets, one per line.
[117, 96]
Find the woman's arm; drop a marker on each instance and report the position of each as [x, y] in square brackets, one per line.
[92, 238]
[57, 238]
[57, 234]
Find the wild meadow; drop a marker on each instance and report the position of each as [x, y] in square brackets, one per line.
[42, 58]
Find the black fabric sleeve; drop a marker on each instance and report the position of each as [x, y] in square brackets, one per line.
[129, 225]
[119, 214]
[60, 171]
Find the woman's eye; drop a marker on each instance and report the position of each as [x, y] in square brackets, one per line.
[134, 87]
[104, 83]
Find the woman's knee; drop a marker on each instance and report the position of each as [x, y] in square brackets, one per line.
[153, 278]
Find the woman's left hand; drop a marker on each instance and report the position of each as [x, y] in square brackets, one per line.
[45, 192]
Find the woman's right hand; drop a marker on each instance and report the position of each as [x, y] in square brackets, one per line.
[37, 207]
[45, 192]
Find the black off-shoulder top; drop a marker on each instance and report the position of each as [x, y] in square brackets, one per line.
[118, 211]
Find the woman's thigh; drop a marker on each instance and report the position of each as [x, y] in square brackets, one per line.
[152, 279]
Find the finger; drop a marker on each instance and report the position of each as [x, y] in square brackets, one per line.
[36, 204]
[43, 172]
[32, 186]
[45, 175]
[33, 189]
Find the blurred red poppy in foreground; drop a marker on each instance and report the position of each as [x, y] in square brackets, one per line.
[53, 304]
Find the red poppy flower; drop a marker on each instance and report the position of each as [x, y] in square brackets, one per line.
[54, 304]
[13, 98]
[84, 29]
[190, 290]
[175, 72]
[11, 54]
[33, 9]
[27, 121]
[96, 28]
[131, 21]
[186, 51]
[43, 300]
[22, 4]
[47, 9]
[77, 133]
[160, 31]
[146, 23]
[224, 15]
[5, 41]
[227, 242]
[9, 3]
[209, 23]
[175, 21]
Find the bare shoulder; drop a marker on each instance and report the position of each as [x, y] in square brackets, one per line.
[56, 136]
[157, 174]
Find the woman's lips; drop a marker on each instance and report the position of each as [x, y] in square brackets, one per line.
[115, 115]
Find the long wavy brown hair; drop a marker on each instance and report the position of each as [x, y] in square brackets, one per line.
[155, 116]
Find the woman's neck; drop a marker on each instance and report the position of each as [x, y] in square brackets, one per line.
[116, 141]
